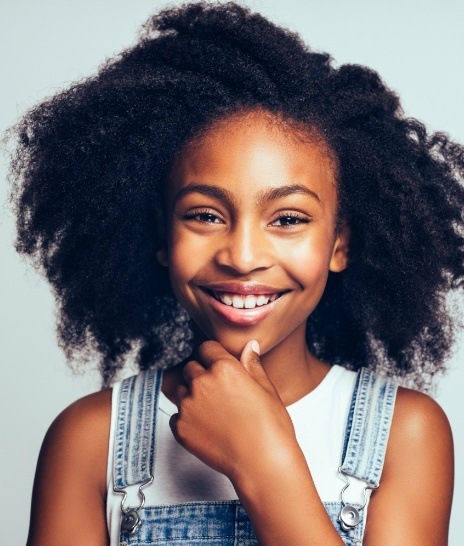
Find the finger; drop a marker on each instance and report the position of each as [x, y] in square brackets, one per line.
[191, 370]
[173, 425]
[211, 351]
[173, 421]
[249, 358]
[180, 392]
[251, 361]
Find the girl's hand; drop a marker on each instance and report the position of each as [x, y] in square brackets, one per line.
[230, 415]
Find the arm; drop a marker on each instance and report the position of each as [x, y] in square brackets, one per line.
[232, 418]
[413, 503]
[411, 507]
[283, 504]
[68, 502]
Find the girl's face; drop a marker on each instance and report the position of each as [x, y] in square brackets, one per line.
[252, 238]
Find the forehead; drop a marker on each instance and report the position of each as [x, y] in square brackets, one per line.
[252, 152]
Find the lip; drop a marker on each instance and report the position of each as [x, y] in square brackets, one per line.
[243, 317]
[243, 289]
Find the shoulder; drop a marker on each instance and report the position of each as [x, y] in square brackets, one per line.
[70, 484]
[80, 436]
[420, 435]
[81, 433]
[419, 419]
[95, 407]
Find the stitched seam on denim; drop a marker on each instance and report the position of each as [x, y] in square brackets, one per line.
[349, 421]
[237, 508]
[358, 432]
[371, 464]
[358, 415]
[389, 389]
[356, 436]
[378, 446]
[142, 441]
[157, 388]
[124, 409]
[176, 539]
[135, 428]
[227, 502]
[173, 539]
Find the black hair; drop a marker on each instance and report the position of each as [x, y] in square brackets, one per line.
[90, 163]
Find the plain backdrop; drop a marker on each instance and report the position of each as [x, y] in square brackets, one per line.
[417, 47]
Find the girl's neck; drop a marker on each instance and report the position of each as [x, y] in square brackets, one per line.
[291, 367]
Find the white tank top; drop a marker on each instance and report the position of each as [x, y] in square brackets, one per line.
[319, 419]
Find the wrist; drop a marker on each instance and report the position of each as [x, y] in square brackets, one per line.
[266, 471]
[278, 495]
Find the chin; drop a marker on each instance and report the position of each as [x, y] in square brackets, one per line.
[233, 343]
[234, 346]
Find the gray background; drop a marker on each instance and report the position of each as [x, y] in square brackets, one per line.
[417, 47]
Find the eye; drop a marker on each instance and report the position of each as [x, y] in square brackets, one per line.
[290, 219]
[204, 216]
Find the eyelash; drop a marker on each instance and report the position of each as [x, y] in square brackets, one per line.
[197, 214]
[294, 216]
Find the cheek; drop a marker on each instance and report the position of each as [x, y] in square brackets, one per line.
[185, 259]
[309, 260]
[181, 265]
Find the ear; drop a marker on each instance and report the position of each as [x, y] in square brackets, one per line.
[339, 259]
[161, 256]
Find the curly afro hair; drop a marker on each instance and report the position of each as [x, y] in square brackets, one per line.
[87, 185]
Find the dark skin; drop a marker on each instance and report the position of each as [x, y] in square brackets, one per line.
[238, 229]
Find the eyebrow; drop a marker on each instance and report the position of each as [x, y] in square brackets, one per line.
[263, 197]
[284, 191]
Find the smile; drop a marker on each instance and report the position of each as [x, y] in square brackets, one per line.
[248, 301]
[243, 309]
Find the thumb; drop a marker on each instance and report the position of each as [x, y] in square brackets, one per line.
[250, 356]
[250, 359]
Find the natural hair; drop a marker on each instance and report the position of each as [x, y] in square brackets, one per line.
[90, 162]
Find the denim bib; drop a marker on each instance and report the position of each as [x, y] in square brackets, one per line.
[225, 523]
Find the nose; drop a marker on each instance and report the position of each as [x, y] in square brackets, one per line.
[245, 248]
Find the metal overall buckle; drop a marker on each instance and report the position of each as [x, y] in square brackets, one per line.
[349, 515]
[131, 522]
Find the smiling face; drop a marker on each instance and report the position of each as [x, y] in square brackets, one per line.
[252, 231]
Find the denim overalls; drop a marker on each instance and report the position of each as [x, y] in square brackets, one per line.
[225, 523]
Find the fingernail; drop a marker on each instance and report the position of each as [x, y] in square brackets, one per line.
[255, 346]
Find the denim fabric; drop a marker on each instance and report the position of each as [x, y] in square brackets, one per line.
[134, 445]
[369, 423]
[220, 523]
[225, 523]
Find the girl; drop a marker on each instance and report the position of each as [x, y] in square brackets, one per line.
[261, 229]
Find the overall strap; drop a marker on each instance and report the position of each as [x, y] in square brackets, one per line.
[134, 440]
[368, 426]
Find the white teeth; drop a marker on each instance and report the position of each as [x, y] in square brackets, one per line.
[250, 302]
[226, 299]
[245, 302]
[237, 302]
